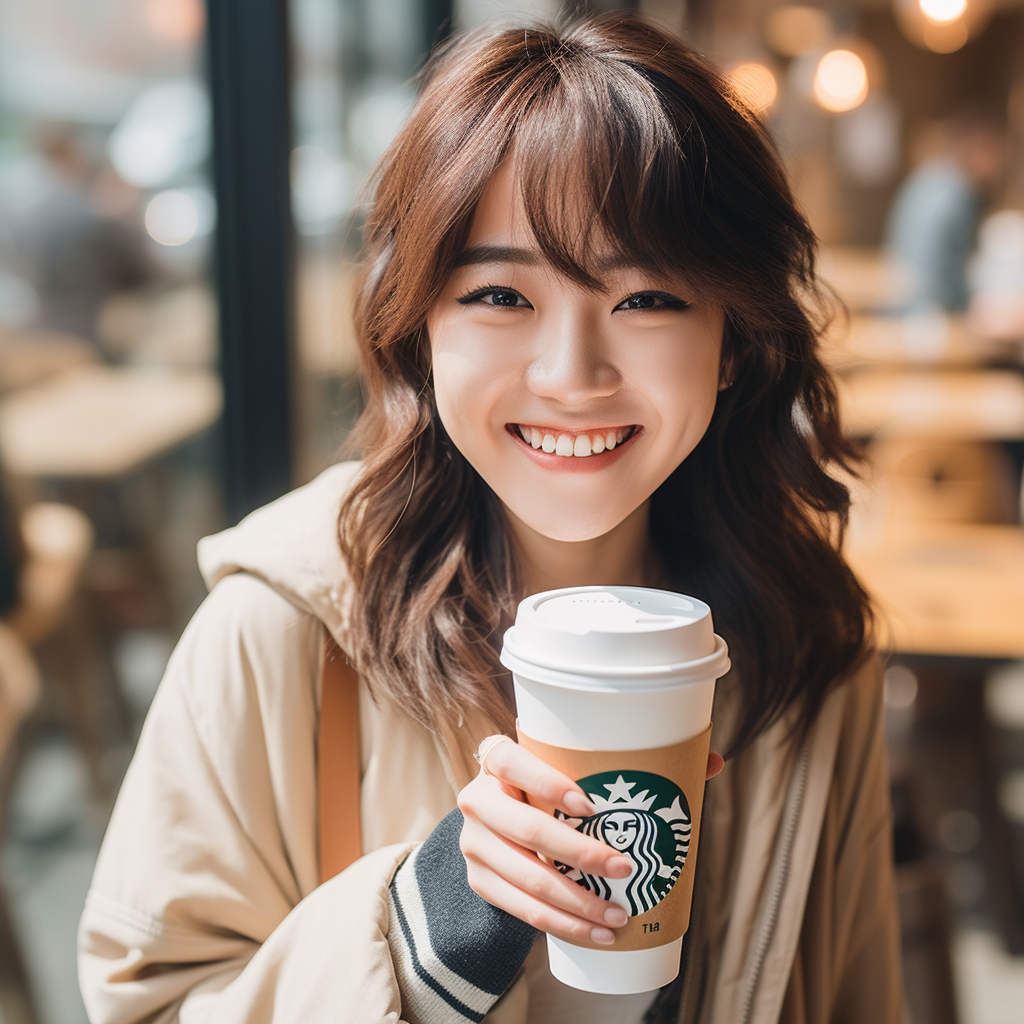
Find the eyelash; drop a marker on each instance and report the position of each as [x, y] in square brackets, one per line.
[478, 293]
[670, 301]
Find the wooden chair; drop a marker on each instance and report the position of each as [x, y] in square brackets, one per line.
[925, 940]
[19, 691]
[923, 486]
[943, 481]
[57, 541]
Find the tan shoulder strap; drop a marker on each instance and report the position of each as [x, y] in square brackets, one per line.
[338, 764]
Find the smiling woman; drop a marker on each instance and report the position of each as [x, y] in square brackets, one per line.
[565, 396]
[588, 328]
[591, 243]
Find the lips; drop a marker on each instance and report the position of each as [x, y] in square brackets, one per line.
[579, 444]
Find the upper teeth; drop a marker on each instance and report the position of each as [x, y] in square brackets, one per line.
[567, 445]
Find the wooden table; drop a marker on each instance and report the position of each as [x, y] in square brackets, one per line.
[976, 405]
[27, 357]
[862, 276]
[102, 422]
[869, 283]
[866, 340]
[953, 589]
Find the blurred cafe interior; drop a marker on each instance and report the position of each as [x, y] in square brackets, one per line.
[180, 204]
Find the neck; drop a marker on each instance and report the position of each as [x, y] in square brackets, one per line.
[622, 557]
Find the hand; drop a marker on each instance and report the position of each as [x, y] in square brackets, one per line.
[504, 840]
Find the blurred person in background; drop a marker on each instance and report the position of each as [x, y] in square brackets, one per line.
[935, 215]
[11, 553]
[997, 278]
[72, 236]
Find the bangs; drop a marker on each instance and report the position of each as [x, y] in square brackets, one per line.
[627, 149]
[627, 146]
[607, 173]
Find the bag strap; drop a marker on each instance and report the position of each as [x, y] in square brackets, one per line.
[338, 764]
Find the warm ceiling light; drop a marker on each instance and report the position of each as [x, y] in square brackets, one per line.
[175, 20]
[942, 12]
[755, 85]
[840, 81]
[942, 26]
[945, 38]
[795, 30]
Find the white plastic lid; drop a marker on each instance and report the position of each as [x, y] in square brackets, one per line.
[614, 633]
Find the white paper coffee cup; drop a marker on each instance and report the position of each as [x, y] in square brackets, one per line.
[621, 671]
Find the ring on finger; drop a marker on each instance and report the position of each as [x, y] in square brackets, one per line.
[486, 746]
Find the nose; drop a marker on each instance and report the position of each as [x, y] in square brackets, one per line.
[571, 365]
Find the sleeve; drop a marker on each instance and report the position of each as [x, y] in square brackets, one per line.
[454, 953]
[855, 928]
[204, 905]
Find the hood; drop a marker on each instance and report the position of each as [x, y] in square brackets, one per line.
[292, 544]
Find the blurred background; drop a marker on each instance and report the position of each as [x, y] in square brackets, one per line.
[179, 211]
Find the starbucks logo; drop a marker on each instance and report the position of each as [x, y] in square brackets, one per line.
[644, 816]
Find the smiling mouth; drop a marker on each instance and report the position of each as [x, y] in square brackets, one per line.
[578, 444]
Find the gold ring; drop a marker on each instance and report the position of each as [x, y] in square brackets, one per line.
[486, 746]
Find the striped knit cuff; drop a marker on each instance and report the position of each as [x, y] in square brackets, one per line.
[454, 954]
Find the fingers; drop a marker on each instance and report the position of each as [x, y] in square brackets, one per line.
[485, 801]
[536, 912]
[517, 767]
[715, 764]
[535, 888]
[507, 843]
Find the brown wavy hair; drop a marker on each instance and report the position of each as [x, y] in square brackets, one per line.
[613, 116]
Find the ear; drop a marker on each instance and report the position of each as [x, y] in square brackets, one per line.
[727, 372]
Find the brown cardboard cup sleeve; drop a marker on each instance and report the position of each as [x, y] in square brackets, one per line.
[648, 807]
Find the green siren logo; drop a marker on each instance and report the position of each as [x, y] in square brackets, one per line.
[644, 816]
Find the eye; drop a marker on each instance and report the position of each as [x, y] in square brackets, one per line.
[652, 301]
[506, 298]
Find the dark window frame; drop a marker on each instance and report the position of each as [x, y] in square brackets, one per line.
[250, 91]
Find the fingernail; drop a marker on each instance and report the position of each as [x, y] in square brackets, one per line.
[619, 867]
[616, 917]
[577, 803]
[602, 935]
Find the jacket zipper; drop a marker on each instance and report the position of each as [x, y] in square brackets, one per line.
[779, 884]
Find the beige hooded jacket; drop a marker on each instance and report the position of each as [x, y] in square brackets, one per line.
[205, 905]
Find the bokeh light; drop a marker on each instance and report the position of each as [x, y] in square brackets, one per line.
[840, 81]
[175, 20]
[945, 38]
[177, 216]
[323, 188]
[796, 29]
[942, 12]
[755, 85]
[164, 132]
[942, 26]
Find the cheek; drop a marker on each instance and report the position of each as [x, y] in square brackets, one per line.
[449, 384]
[683, 389]
[453, 374]
[468, 381]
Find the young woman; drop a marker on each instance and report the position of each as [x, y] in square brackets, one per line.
[588, 325]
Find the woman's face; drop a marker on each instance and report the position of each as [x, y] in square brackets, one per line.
[573, 405]
[619, 830]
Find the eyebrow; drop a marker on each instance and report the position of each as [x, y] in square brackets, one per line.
[478, 254]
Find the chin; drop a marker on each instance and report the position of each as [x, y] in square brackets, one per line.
[568, 528]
